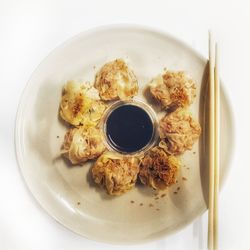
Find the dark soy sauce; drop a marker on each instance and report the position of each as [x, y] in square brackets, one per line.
[129, 128]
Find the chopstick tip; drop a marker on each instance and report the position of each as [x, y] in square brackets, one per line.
[211, 36]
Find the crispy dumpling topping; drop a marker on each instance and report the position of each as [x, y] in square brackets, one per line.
[116, 173]
[178, 131]
[82, 144]
[116, 80]
[173, 89]
[80, 104]
[158, 169]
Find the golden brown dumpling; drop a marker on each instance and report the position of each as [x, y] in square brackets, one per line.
[116, 173]
[158, 169]
[116, 81]
[178, 131]
[79, 105]
[173, 89]
[82, 144]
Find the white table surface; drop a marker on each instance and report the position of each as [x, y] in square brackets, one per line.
[29, 30]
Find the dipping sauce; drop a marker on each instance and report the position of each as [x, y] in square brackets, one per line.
[129, 128]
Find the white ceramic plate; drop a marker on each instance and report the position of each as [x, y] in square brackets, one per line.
[68, 193]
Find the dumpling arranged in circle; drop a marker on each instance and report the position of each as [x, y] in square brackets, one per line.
[158, 169]
[80, 104]
[116, 173]
[82, 144]
[178, 132]
[173, 89]
[115, 80]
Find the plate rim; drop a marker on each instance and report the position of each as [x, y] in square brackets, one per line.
[17, 129]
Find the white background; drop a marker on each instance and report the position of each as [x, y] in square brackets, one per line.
[29, 30]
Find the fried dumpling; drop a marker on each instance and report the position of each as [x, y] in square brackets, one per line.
[116, 173]
[82, 144]
[158, 169]
[79, 104]
[178, 132]
[173, 89]
[116, 80]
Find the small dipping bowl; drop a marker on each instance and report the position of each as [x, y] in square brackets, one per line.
[129, 127]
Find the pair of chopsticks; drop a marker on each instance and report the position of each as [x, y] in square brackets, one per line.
[214, 143]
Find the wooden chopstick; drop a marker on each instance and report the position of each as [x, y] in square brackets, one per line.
[214, 124]
[211, 145]
[217, 146]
